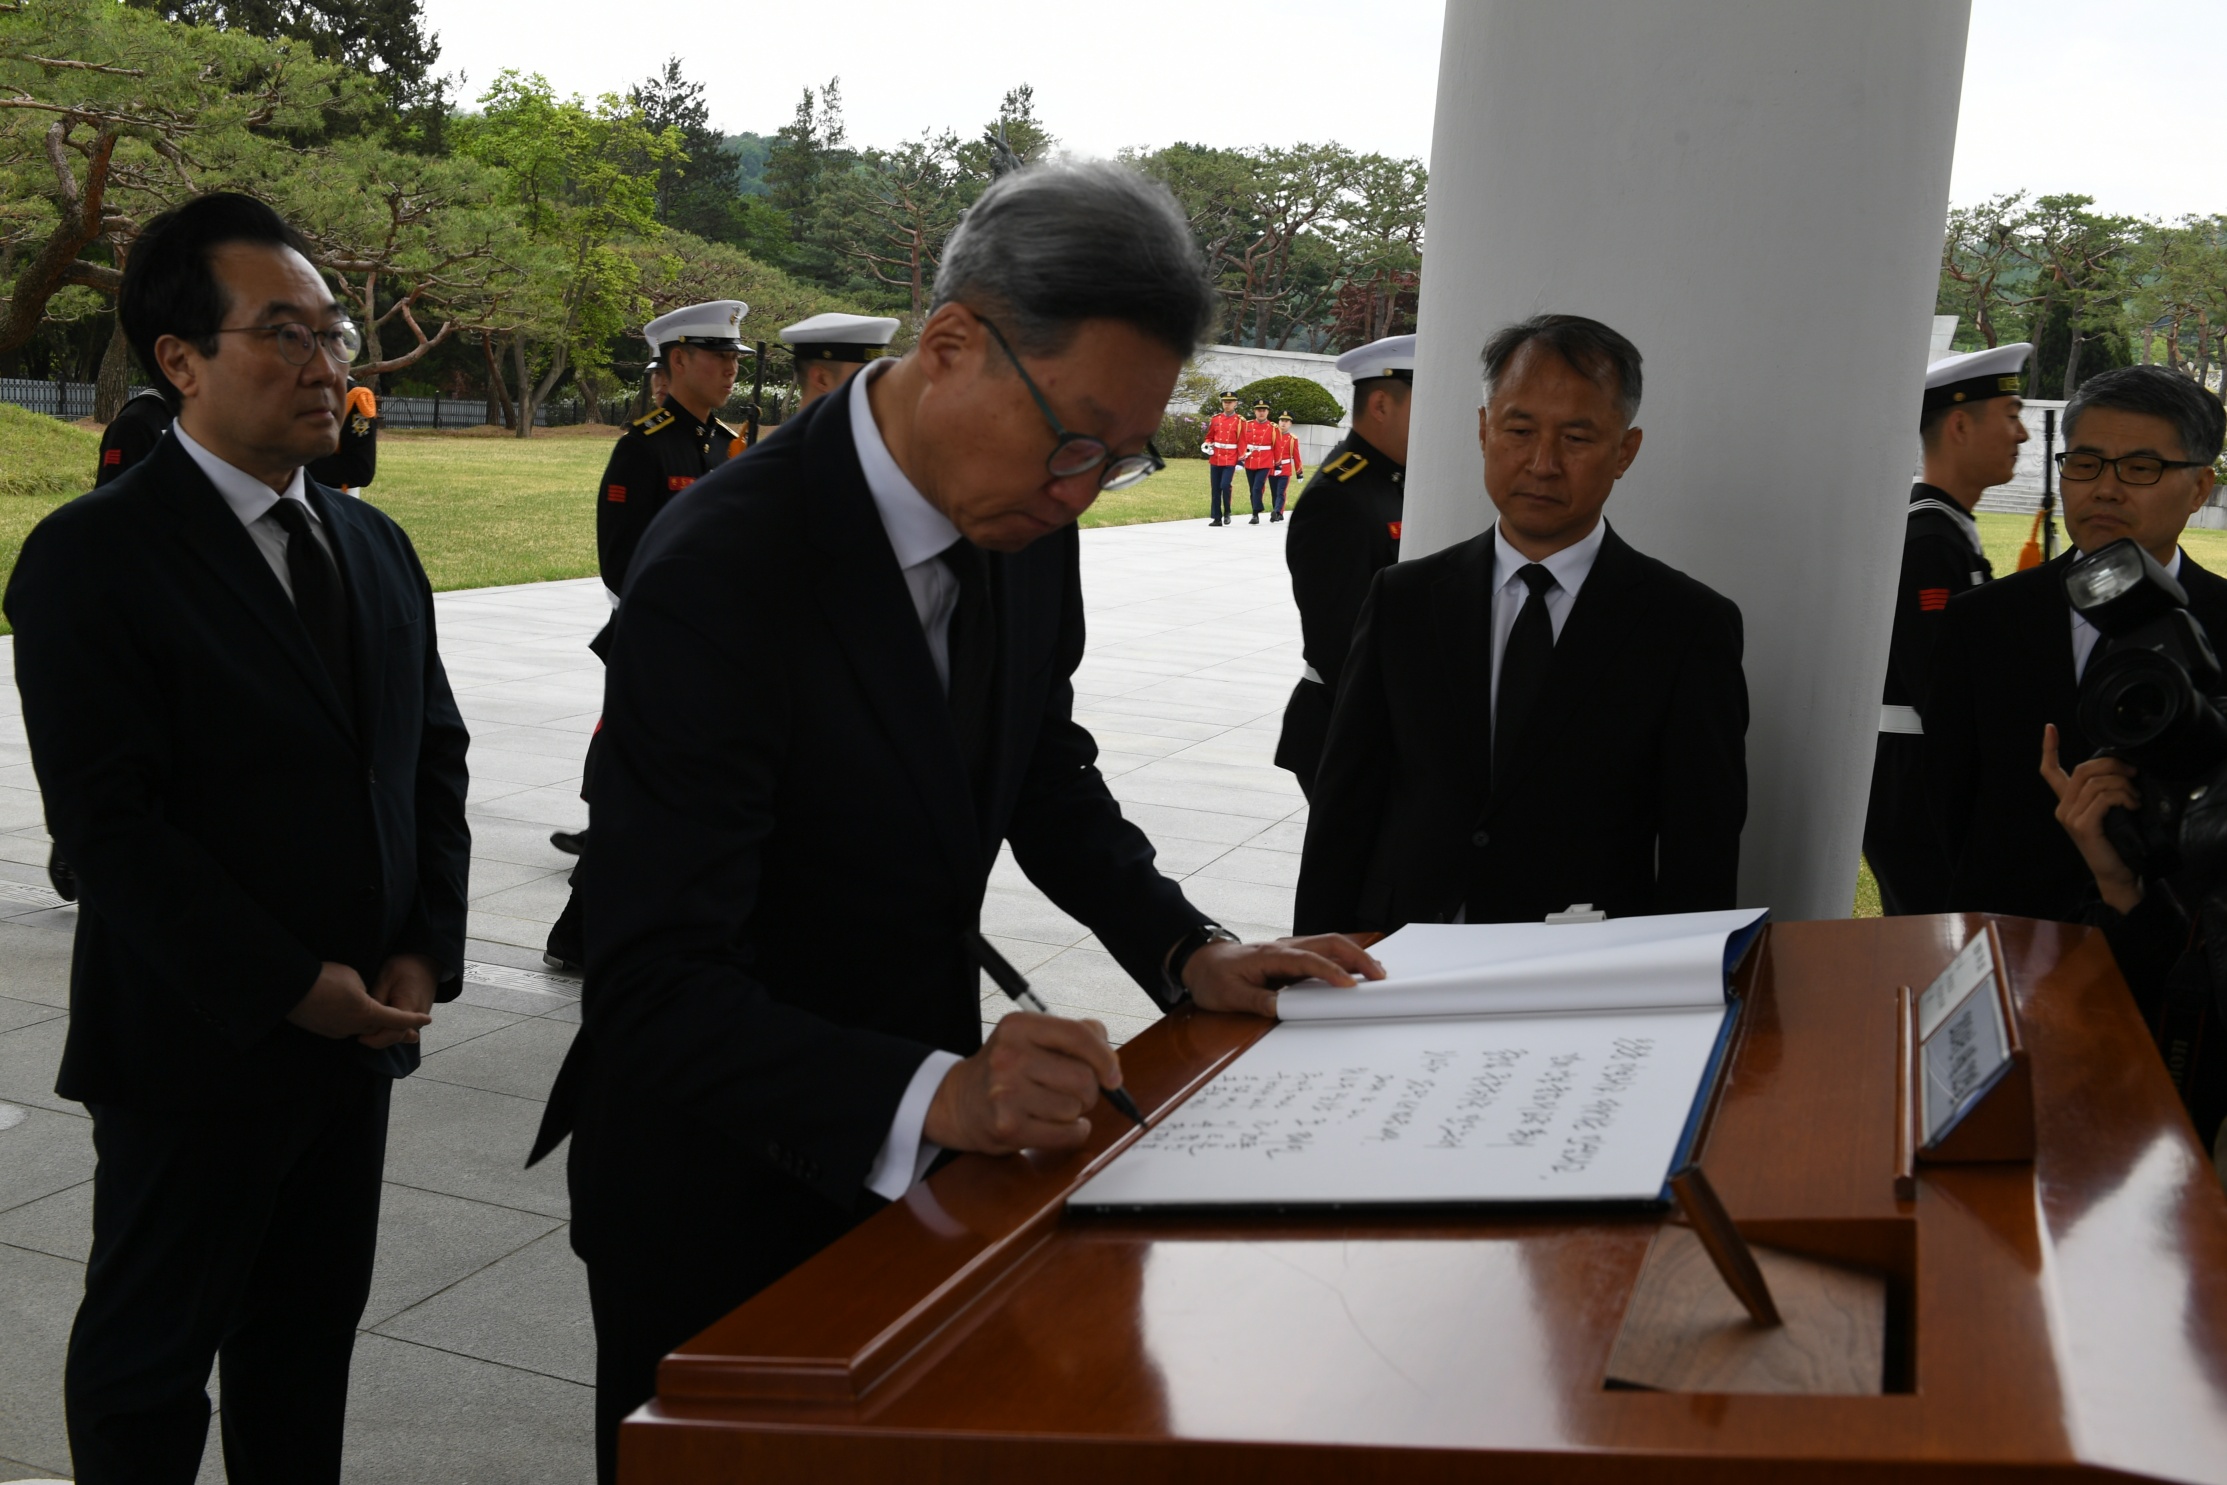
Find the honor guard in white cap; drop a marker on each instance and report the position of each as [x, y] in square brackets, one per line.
[1970, 427]
[1344, 530]
[662, 452]
[829, 349]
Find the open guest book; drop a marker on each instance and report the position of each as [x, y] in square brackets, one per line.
[1495, 1062]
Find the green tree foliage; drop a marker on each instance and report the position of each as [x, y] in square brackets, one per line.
[1312, 243]
[383, 39]
[573, 174]
[107, 115]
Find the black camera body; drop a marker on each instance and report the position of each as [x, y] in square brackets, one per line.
[2152, 695]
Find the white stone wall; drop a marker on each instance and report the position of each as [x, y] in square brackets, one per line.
[1234, 366]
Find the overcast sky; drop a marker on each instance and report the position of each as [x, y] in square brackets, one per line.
[2058, 95]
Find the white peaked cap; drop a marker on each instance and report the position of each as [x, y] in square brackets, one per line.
[1394, 355]
[716, 323]
[840, 329]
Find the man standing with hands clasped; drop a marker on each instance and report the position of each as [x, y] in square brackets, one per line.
[841, 677]
[248, 749]
[1541, 716]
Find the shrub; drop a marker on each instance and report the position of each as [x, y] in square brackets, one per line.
[1306, 401]
[1180, 436]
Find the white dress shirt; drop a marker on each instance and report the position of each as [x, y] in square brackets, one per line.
[254, 502]
[918, 533]
[2085, 634]
[1569, 568]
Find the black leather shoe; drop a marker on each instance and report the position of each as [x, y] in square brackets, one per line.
[571, 842]
[58, 872]
[1255, 521]
[1278, 516]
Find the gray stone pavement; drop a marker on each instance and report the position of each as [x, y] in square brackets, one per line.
[477, 1353]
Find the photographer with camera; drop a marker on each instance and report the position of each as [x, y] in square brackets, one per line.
[2140, 445]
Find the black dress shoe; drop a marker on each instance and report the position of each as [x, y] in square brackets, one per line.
[1255, 521]
[571, 842]
[58, 872]
[1278, 516]
[1213, 520]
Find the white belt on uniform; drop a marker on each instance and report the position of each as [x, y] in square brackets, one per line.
[1903, 719]
[1309, 673]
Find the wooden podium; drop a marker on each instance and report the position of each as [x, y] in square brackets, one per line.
[2067, 1316]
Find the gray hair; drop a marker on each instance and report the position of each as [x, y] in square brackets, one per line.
[1590, 348]
[1050, 246]
[2159, 393]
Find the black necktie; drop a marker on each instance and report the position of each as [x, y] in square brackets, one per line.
[972, 646]
[317, 597]
[1523, 666]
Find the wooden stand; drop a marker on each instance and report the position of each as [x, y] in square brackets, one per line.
[1999, 1127]
[1685, 1331]
[1712, 1314]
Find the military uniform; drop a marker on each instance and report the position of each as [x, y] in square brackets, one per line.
[1345, 529]
[355, 463]
[1941, 557]
[661, 453]
[135, 429]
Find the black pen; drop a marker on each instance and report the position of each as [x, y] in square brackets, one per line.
[1009, 980]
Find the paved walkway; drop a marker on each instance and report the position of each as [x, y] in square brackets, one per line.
[477, 1352]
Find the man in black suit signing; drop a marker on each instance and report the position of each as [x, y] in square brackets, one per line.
[840, 676]
[1539, 717]
[2139, 446]
[249, 752]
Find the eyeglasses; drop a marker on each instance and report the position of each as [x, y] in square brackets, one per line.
[297, 342]
[2132, 469]
[1079, 453]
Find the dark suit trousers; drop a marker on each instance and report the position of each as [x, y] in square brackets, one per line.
[699, 1237]
[1901, 841]
[239, 1234]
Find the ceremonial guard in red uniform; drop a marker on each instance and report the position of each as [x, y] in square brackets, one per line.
[661, 454]
[1221, 446]
[1286, 464]
[1257, 452]
[1971, 430]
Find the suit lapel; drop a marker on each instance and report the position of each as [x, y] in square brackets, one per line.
[367, 634]
[1461, 607]
[869, 608]
[1582, 655]
[207, 528]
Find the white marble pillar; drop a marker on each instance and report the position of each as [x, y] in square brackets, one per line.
[1754, 192]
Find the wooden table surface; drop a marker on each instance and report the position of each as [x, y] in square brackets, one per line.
[2064, 1317]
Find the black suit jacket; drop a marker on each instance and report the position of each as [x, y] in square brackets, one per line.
[1628, 790]
[2001, 671]
[789, 856]
[233, 820]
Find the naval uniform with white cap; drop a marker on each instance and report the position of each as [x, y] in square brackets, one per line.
[829, 349]
[660, 454]
[669, 447]
[1345, 529]
[1941, 557]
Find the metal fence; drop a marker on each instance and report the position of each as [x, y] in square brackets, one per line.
[68, 401]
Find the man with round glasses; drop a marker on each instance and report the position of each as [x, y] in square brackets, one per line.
[2140, 445]
[1970, 429]
[841, 678]
[248, 750]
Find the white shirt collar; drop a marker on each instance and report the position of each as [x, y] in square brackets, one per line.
[917, 530]
[249, 498]
[1569, 566]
